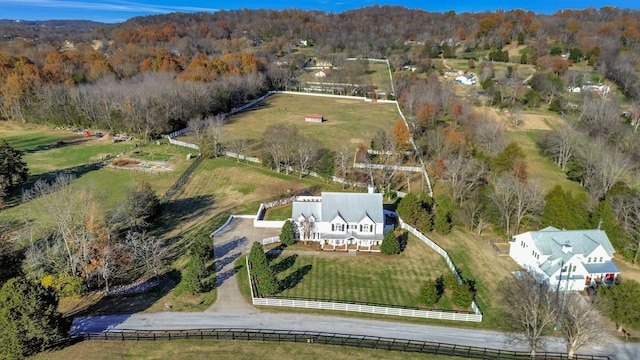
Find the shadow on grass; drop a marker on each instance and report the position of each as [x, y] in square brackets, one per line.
[15, 197]
[274, 253]
[284, 264]
[179, 211]
[125, 304]
[294, 278]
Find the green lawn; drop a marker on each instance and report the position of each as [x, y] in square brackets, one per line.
[349, 122]
[539, 166]
[364, 278]
[221, 349]
[279, 213]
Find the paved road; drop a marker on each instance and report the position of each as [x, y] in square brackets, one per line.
[231, 311]
[467, 337]
[229, 244]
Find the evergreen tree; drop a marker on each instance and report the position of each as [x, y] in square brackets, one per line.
[287, 235]
[449, 281]
[603, 218]
[564, 211]
[507, 158]
[192, 276]
[463, 294]
[390, 244]
[622, 303]
[443, 220]
[409, 209]
[429, 293]
[267, 282]
[258, 259]
[29, 318]
[13, 171]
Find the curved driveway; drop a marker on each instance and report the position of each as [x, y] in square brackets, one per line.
[232, 311]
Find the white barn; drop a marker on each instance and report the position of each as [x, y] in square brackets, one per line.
[566, 259]
[342, 221]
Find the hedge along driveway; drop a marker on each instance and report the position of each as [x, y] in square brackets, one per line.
[371, 278]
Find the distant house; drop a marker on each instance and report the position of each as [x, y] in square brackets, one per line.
[324, 64]
[314, 118]
[409, 68]
[342, 221]
[600, 89]
[566, 259]
[321, 74]
[466, 79]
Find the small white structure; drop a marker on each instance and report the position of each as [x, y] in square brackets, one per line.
[321, 74]
[566, 259]
[342, 221]
[317, 118]
[466, 79]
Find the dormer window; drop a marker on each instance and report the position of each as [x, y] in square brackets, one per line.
[365, 228]
[337, 227]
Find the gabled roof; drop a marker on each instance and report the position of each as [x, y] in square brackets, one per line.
[352, 207]
[550, 240]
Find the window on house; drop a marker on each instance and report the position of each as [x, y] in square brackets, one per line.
[366, 228]
[337, 227]
[352, 227]
[589, 260]
[600, 259]
[574, 268]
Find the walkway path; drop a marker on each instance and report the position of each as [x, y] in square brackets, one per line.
[229, 244]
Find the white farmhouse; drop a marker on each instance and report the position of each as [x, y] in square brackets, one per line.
[342, 221]
[466, 79]
[566, 259]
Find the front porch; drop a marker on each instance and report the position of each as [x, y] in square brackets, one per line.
[350, 244]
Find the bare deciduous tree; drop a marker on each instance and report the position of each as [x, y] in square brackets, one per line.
[562, 144]
[238, 146]
[531, 306]
[307, 153]
[148, 250]
[580, 323]
[462, 176]
[602, 168]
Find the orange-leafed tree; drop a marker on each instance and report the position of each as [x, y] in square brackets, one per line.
[401, 134]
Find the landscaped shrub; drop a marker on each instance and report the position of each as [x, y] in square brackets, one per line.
[449, 281]
[430, 293]
[288, 235]
[390, 244]
[463, 294]
[443, 221]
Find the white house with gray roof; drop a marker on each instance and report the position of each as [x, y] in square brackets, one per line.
[342, 221]
[571, 259]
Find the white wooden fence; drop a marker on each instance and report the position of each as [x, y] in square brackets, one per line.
[270, 240]
[173, 141]
[383, 166]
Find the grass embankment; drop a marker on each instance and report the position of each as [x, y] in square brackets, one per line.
[222, 349]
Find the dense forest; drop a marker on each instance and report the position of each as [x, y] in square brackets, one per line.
[88, 74]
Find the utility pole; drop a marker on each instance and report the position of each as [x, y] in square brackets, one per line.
[564, 296]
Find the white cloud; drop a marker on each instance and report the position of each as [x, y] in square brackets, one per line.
[121, 6]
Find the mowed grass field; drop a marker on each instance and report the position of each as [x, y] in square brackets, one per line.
[222, 349]
[369, 278]
[348, 122]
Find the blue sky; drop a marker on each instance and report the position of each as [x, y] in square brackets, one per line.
[117, 11]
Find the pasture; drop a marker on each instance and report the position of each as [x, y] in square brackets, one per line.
[223, 349]
[348, 122]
